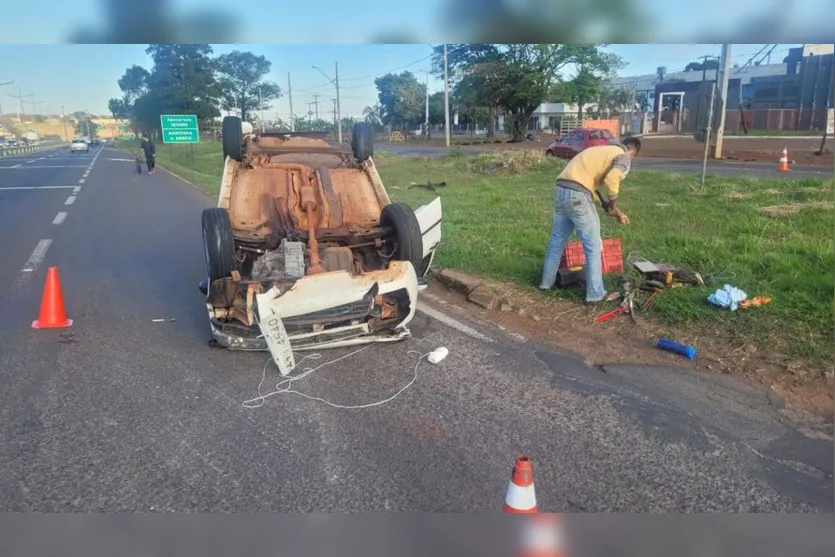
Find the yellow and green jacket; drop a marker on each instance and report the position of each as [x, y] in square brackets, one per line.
[600, 167]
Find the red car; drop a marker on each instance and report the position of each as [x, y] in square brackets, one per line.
[576, 141]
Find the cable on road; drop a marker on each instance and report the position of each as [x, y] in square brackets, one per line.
[284, 386]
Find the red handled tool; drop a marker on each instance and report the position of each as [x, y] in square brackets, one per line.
[627, 306]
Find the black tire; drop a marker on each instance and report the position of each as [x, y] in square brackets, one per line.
[408, 239]
[233, 138]
[362, 141]
[549, 154]
[218, 243]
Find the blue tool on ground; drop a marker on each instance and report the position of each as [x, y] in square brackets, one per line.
[685, 350]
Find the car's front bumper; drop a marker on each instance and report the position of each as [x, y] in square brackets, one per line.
[328, 310]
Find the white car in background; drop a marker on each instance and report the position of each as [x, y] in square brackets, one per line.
[79, 146]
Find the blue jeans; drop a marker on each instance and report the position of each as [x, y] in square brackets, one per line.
[575, 209]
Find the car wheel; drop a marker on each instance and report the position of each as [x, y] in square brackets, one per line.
[362, 141]
[549, 154]
[407, 237]
[233, 138]
[219, 243]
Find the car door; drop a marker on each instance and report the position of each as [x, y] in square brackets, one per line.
[429, 218]
[576, 143]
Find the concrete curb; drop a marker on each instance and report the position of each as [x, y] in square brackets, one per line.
[473, 288]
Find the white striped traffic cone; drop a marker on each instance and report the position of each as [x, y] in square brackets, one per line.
[784, 160]
[520, 497]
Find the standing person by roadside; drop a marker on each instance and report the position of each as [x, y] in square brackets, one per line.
[575, 207]
[150, 151]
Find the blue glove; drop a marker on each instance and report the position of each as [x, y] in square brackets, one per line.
[727, 297]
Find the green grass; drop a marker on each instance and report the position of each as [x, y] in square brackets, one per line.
[497, 219]
[497, 224]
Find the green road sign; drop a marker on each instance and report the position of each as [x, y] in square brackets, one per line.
[179, 128]
[123, 128]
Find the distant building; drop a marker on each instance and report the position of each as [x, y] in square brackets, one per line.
[803, 87]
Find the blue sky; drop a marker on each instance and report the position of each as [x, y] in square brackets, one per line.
[83, 77]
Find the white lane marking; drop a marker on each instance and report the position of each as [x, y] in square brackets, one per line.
[70, 200]
[81, 181]
[454, 323]
[59, 218]
[2, 188]
[76, 189]
[119, 160]
[21, 167]
[35, 160]
[37, 257]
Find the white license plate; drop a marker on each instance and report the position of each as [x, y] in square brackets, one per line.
[278, 342]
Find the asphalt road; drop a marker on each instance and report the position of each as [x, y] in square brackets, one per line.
[121, 413]
[662, 164]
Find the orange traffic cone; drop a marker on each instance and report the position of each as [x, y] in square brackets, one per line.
[784, 161]
[520, 497]
[52, 315]
[542, 536]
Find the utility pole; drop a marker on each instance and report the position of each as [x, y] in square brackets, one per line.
[446, 97]
[704, 66]
[64, 123]
[335, 83]
[34, 104]
[725, 65]
[1, 85]
[338, 108]
[427, 106]
[335, 121]
[21, 112]
[261, 110]
[316, 105]
[310, 116]
[708, 130]
[290, 96]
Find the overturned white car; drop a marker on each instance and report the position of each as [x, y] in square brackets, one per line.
[306, 250]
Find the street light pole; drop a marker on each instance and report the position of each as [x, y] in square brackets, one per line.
[64, 123]
[446, 97]
[335, 82]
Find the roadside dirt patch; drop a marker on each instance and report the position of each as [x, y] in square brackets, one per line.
[744, 149]
[739, 196]
[778, 211]
[565, 325]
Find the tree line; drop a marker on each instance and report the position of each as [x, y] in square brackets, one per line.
[189, 79]
[510, 79]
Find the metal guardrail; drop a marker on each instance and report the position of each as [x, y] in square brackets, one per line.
[13, 151]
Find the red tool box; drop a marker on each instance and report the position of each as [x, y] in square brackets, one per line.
[573, 256]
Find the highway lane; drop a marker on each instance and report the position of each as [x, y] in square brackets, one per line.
[33, 191]
[662, 164]
[121, 413]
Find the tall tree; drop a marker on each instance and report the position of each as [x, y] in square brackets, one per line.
[134, 83]
[242, 82]
[484, 85]
[585, 88]
[519, 77]
[402, 99]
[117, 108]
[183, 79]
